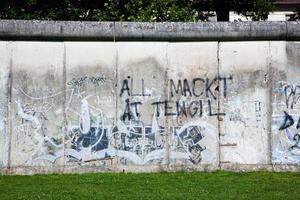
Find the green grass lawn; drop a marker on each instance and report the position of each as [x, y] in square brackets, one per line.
[179, 185]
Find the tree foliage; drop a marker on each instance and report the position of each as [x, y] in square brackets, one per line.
[256, 10]
[296, 15]
[129, 10]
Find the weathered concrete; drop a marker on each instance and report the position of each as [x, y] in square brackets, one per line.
[90, 106]
[71, 107]
[293, 31]
[285, 117]
[144, 31]
[55, 30]
[37, 103]
[208, 31]
[5, 63]
[244, 129]
[189, 63]
[135, 109]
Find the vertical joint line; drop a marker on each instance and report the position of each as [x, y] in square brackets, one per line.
[269, 107]
[9, 109]
[168, 129]
[116, 73]
[64, 102]
[219, 109]
[116, 81]
[116, 65]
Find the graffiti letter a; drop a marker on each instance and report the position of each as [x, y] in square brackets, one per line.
[288, 121]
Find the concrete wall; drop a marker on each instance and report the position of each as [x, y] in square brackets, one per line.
[149, 106]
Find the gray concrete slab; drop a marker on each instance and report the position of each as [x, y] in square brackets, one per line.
[244, 128]
[141, 121]
[5, 61]
[37, 104]
[193, 102]
[90, 103]
[285, 106]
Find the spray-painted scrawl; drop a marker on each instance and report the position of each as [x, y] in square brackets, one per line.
[32, 133]
[91, 136]
[186, 138]
[286, 127]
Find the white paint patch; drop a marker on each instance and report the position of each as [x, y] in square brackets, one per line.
[155, 126]
[2, 122]
[27, 117]
[85, 122]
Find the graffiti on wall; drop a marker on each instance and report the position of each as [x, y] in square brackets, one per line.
[90, 135]
[285, 127]
[204, 90]
[32, 131]
[292, 95]
[201, 93]
[98, 80]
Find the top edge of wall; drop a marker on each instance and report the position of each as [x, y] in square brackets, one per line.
[36, 30]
